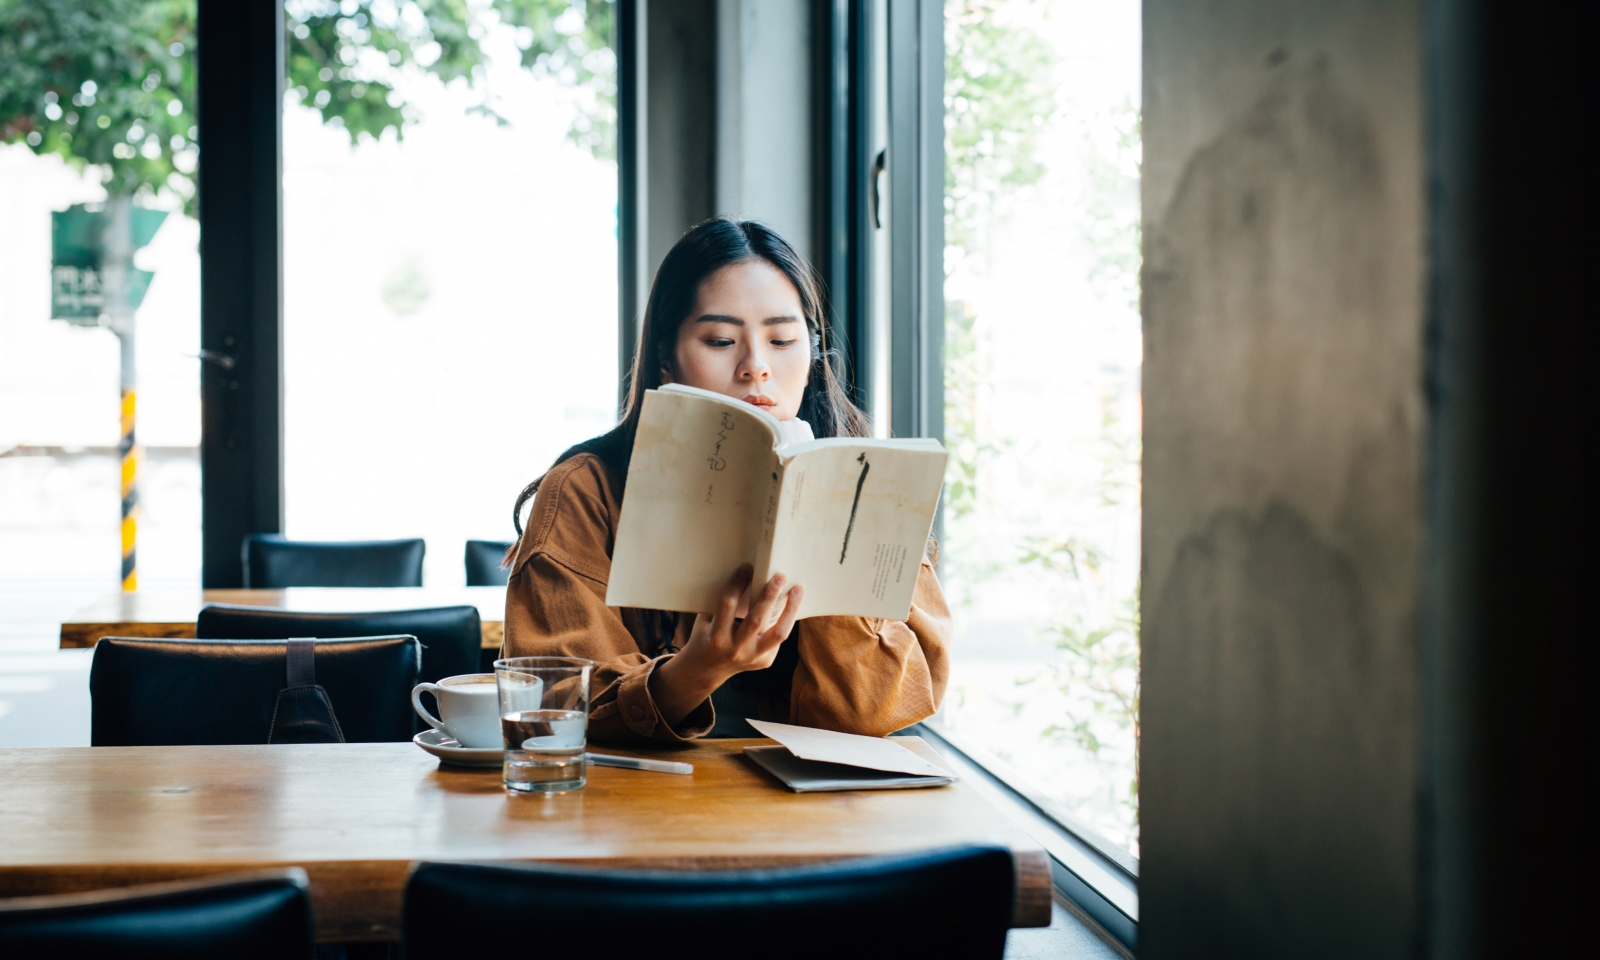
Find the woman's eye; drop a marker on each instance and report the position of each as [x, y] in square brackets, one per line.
[782, 343]
[718, 342]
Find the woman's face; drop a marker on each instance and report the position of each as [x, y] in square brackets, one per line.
[746, 338]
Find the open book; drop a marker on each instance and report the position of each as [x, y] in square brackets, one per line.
[712, 485]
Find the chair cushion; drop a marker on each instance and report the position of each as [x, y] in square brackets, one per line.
[156, 692]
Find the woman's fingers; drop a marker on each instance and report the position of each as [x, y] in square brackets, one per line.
[762, 609]
[748, 643]
[732, 592]
[791, 613]
[765, 647]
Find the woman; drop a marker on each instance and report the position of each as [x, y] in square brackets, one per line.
[735, 310]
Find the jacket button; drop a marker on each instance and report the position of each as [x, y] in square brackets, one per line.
[636, 712]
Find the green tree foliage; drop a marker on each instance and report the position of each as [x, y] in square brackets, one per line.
[998, 98]
[573, 43]
[999, 95]
[110, 84]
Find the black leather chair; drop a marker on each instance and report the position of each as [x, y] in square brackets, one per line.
[273, 563]
[451, 637]
[160, 692]
[256, 916]
[483, 563]
[946, 903]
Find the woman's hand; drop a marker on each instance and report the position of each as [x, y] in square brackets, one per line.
[721, 645]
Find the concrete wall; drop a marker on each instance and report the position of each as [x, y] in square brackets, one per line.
[1284, 430]
[681, 122]
[764, 120]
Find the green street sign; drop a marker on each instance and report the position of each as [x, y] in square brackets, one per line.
[77, 249]
[77, 295]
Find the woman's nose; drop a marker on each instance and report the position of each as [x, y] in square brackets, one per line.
[755, 366]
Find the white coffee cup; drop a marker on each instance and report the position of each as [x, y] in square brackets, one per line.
[469, 709]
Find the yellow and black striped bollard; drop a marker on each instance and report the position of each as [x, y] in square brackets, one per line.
[130, 492]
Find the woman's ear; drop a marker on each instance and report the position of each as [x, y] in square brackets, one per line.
[664, 361]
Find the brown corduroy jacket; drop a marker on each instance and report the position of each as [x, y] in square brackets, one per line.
[853, 674]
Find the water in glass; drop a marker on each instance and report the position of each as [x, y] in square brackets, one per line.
[544, 750]
[544, 717]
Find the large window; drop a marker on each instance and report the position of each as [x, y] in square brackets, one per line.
[99, 326]
[450, 262]
[1042, 356]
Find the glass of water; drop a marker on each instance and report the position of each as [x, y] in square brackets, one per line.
[544, 717]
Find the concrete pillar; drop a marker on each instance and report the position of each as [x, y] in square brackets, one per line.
[1283, 465]
[1372, 445]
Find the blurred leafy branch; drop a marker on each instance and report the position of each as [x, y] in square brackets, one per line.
[111, 84]
[1099, 673]
[1111, 204]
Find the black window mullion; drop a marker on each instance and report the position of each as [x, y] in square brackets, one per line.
[239, 49]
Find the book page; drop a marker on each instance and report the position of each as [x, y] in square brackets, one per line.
[831, 746]
[853, 522]
[699, 487]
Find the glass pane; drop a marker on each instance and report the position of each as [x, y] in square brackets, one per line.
[99, 326]
[450, 262]
[1042, 354]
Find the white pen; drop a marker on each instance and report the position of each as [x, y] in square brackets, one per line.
[634, 763]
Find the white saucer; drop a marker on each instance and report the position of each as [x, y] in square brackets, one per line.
[440, 745]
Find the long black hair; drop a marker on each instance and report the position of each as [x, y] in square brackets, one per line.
[706, 248]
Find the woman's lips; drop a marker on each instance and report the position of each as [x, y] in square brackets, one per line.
[760, 401]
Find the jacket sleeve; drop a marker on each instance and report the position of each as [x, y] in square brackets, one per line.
[874, 677]
[555, 607]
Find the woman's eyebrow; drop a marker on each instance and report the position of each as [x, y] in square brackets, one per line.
[723, 318]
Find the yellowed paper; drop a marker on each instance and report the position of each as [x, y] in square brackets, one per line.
[712, 486]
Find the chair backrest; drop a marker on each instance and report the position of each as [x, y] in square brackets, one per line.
[256, 916]
[947, 903]
[483, 563]
[451, 637]
[273, 563]
[148, 692]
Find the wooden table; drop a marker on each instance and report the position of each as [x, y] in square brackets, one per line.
[167, 613]
[356, 816]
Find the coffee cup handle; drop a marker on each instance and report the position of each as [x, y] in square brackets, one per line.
[416, 704]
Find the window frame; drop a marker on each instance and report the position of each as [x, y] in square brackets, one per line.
[1087, 869]
[241, 122]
